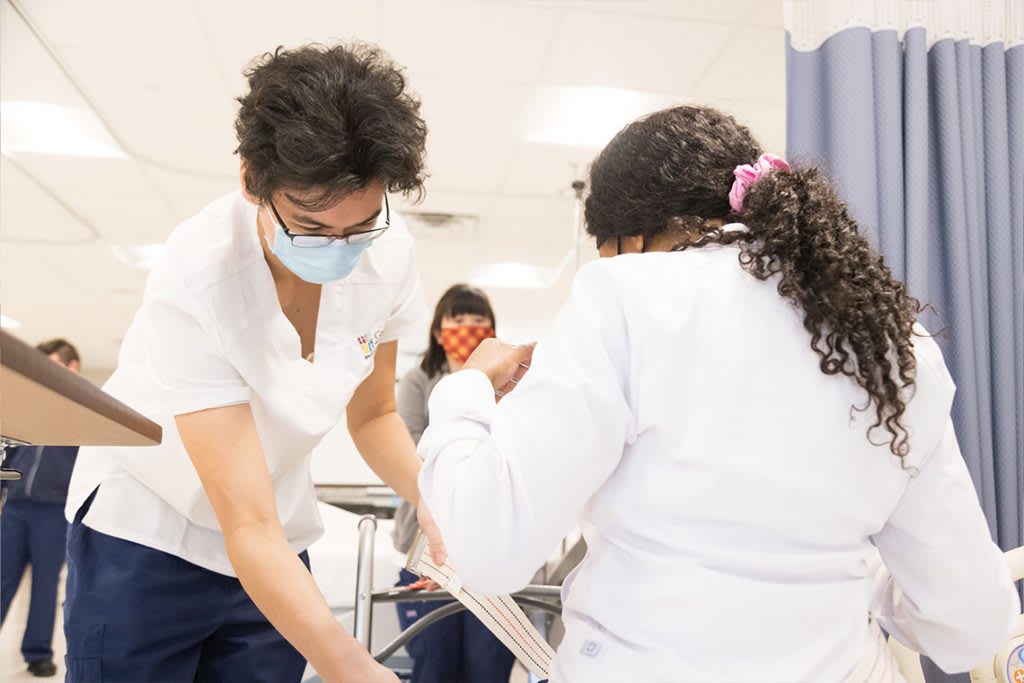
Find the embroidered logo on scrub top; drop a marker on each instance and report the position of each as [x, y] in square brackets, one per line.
[1015, 665]
[368, 343]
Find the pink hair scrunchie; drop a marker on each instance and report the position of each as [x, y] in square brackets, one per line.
[747, 175]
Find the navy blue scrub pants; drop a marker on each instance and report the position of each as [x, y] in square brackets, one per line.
[33, 533]
[456, 649]
[133, 613]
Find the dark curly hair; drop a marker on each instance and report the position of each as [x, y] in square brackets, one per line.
[329, 120]
[458, 300]
[672, 171]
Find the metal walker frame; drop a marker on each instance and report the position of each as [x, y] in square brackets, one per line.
[544, 598]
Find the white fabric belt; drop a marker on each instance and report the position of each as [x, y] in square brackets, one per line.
[499, 613]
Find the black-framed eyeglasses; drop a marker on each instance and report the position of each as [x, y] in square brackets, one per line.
[313, 241]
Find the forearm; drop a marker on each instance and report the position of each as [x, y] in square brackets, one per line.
[950, 594]
[473, 493]
[284, 591]
[385, 445]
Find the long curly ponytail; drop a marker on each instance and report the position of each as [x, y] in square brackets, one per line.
[674, 170]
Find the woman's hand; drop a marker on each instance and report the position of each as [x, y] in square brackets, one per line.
[504, 364]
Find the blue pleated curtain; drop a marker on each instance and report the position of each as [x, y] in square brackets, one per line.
[916, 108]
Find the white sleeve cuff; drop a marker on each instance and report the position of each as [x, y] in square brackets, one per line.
[183, 403]
[461, 408]
[465, 394]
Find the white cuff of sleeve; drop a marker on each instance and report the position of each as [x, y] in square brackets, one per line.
[461, 408]
[466, 394]
[183, 403]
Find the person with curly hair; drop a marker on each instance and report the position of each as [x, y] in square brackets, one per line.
[271, 315]
[738, 408]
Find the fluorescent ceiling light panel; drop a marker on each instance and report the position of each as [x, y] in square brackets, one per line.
[9, 323]
[586, 116]
[45, 128]
[141, 256]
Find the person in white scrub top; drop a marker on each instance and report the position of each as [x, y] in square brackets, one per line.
[738, 409]
[271, 315]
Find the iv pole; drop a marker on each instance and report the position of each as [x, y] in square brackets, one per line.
[578, 187]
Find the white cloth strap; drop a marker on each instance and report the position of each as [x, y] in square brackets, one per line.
[499, 613]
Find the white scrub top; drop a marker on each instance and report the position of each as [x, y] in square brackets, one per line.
[729, 497]
[211, 332]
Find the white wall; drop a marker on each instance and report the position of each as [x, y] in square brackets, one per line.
[336, 461]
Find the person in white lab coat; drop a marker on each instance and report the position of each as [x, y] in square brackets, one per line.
[737, 407]
[272, 314]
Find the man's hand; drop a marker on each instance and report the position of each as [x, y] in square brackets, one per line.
[504, 364]
[363, 669]
[429, 529]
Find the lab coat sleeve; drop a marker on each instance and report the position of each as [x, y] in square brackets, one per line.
[506, 482]
[947, 592]
[184, 358]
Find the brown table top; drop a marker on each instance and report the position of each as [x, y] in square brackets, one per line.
[43, 403]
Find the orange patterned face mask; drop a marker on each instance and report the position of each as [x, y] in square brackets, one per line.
[459, 342]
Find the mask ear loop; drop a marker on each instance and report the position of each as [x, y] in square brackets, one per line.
[618, 245]
[267, 232]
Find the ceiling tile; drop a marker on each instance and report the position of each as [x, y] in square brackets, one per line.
[198, 142]
[28, 213]
[240, 30]
[28, 229]
[751, 67]
[471, 108]
[518, 229]
[494, 42]
[166, 27]
[698, 11]
[546, 170]
[647, 54]
[61, 173]
[90, 269]
[189, 193]
[124, 218]
[113, 196]
[146, 82]
[22, 196]
[27, 72]
[767, 14]
[437, 200]
[466, 165]
[560, 207]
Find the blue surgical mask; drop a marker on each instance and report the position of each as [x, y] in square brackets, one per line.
[318, 265]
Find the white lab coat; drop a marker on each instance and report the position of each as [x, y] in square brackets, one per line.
[729, 496]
